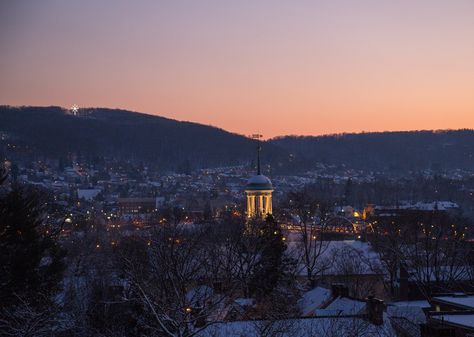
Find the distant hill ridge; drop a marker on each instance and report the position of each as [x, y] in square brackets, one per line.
[170, 145]
[393, 151]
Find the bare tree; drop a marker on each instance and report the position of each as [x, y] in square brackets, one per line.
[312, 215]
[355, 270]
[176, 283]
[435, 257]
[274, 327]
[337, 326]
[349, 327]
[431, 246]
[387, 239]
[240, 255]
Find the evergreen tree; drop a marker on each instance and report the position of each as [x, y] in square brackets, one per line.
[14, 171]
[31, 262]
[271, 265]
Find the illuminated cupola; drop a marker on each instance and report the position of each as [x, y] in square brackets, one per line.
[259, 193]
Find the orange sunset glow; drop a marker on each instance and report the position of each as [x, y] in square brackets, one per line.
[294, 67]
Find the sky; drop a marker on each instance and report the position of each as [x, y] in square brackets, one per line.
[268, 66]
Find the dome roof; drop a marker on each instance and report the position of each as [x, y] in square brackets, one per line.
[259, 182]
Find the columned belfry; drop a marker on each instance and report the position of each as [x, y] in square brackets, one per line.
[259, 191]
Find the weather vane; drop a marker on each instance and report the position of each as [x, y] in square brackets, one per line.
[257, 137]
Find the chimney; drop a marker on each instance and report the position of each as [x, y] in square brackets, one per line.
[374, 310]
[339, 290]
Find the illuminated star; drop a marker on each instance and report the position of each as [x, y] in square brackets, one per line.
[74, 109]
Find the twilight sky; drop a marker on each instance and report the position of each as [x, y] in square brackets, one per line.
[277, 67]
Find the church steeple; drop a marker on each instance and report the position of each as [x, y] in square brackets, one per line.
[259, 190]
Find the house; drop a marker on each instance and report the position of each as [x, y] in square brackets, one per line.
[369, 322]
[453, 316]
[453, 302]
[406, 316]
[352, 263]
[449, 324]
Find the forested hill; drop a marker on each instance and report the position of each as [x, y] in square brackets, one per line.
[393, 151]
[53, 132]
[166, 143]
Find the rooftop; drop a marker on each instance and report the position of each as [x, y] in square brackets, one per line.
[259, 182]
[465, 301]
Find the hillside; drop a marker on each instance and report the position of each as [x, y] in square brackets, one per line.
[387, 151]
[53, 132]
[166, 143]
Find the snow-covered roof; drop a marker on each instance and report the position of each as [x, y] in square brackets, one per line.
[88, 194]
[423, 206]
[465, 320]
[199, 295]
[465, 301]
[419, 303]
[303, 327]
[259, 182]
[347, 306]
[411, 313]
[341, 257]
[327, 313]
[313, 299]
[245, 302]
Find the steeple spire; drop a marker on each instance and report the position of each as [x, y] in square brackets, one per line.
[259, 148]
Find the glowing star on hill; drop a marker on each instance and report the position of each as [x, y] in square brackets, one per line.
[74, 109]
